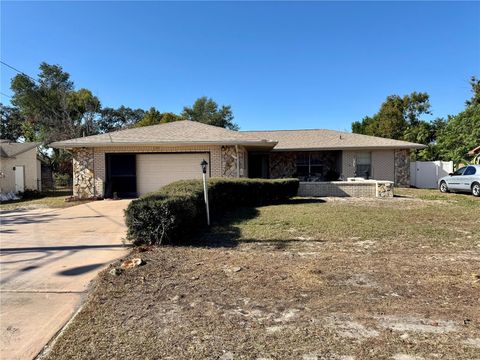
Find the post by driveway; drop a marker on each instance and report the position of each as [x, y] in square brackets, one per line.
[48, 258]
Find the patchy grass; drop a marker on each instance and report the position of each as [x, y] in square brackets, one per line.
[56, 200]
[327, 279]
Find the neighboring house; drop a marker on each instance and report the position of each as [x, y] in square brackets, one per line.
[20, 166]
[139, 160]
[476, 155]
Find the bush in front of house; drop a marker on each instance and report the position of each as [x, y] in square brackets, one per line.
[177, 210]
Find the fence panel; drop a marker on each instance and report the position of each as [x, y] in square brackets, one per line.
[425, 174]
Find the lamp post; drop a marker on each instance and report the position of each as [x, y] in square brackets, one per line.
[204, 164]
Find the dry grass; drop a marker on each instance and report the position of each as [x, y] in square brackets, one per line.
[56, 200]
[334, 279]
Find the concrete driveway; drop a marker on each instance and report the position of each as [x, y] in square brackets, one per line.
[48, 258]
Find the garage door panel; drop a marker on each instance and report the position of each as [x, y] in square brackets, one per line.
[157, 170]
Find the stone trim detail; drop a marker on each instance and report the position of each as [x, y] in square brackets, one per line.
[83, 173]
[282, 164]
[402, 168]
[229, 162]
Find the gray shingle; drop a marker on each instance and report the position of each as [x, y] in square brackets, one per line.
[329, 140]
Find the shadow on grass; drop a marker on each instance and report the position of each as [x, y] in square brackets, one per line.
[225, 232]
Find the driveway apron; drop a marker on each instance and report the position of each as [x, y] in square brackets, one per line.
[47, 259]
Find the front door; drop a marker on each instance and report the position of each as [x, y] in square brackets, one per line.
[19, 178]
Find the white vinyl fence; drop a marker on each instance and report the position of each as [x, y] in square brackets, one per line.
[425, 174]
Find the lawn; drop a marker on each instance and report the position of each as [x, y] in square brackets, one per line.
[54, 200]
[312, 279]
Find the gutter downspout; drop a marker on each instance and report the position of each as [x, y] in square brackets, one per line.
[238, 161]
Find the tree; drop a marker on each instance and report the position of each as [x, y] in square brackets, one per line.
[206, 111]
[154, 117]
[117, 119]
[52, 107]
[475, 84]
[11, 126]
[396, 116]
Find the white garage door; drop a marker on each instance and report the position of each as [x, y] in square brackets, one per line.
[157, 170]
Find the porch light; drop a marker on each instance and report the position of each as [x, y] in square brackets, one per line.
[204, 164]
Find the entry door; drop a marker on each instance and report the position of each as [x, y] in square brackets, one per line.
[19, 178]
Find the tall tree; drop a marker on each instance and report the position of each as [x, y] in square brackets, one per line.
[11, 125]
[55, 110]
[154, 117]
[396, 116]
[461, 133]
[117, 119]
[475, 84]
[207, 111]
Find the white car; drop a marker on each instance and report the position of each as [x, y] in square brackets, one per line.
[466, 178]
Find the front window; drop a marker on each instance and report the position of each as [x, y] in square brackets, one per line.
[364, 165]
[317, 165]
[459, 171]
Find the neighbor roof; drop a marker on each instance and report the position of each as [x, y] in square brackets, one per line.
[10, 149]
[320, 139]
[182, 132]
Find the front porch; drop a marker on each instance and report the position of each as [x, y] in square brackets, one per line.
[332, 165]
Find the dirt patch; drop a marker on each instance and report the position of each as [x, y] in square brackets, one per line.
[364, 282]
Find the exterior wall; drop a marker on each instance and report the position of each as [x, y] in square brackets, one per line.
[282, 164]
[89, 167]
[347, 163]
[83, 173]
[402, 167]
[387, 165]
[229, 162]
[32, 174]
[383, 165]
[367, 188]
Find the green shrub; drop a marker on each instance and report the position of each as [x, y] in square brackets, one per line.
[177, 210]
[61, 179]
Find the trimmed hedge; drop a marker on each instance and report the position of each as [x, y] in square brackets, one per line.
[178, 209]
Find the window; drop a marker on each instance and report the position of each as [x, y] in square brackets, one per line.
[459, 171]
[364, 165]
[470, 171]
[303, 164]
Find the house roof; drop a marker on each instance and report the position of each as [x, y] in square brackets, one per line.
[320, 139]
[190, 132]
[9, 149]
[182, 132]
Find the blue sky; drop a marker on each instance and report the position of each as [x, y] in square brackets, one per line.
[279, 65]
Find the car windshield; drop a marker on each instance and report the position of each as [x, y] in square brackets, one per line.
[460, 171]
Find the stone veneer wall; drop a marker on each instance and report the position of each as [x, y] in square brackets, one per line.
[83, 173]
[368, 188]
[282, 164]
[402, 168]
[229, 161]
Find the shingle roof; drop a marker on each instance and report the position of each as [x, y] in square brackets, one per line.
[329, 140]
[178, 132]
[190, 132]
[10, 149]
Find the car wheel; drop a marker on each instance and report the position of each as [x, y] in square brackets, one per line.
[476, 189]
[443, 187]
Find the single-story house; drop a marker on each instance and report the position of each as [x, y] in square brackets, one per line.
[139, 160]
[21, 167]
